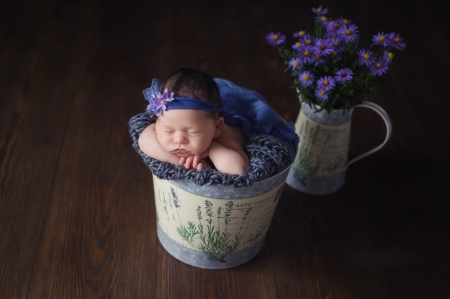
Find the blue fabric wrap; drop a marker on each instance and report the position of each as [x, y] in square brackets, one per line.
[188, 103]
[249, 110]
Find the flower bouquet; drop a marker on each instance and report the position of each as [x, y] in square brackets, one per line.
[330, 70]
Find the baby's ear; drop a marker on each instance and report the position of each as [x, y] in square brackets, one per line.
[219, 126]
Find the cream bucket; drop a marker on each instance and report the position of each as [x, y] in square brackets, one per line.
[215, 226]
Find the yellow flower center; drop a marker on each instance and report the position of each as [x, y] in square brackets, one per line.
[326, 82]
[308, 41]
[301, 32]
[345, 21]
[390, 55]
[366, 56]
[317, 57]
[396, 39]
[275, 37]
[348, 32]
[298, 44]
[381, 38]
[323, 18]
[322, 92]
[305, 77]
[378, 65]
[306, 53]
[295, 64]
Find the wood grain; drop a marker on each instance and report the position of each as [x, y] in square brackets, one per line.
[77, 215]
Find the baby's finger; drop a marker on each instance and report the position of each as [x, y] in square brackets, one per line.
[199, 166]
[196, 161]
[188, 162]
[182, 160]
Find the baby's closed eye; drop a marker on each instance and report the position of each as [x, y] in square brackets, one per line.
[194, 132]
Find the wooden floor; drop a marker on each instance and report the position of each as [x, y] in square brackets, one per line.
[77, 215]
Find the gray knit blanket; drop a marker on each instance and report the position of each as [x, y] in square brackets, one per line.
[267, 154]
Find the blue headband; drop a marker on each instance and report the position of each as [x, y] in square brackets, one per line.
[158, 102]
[189, 103]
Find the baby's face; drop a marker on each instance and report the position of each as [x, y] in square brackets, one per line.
[186, 132]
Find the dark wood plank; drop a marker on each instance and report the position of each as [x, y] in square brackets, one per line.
[99, 235]
[37, 82]
[254, 279]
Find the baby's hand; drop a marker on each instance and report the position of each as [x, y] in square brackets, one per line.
[196, 161]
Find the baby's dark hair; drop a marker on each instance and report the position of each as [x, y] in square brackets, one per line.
[192, 83]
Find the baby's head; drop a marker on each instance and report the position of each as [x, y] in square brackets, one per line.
[182, 129]
[192, 83]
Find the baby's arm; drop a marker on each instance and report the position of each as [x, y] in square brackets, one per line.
[227, 151]
[150, 146]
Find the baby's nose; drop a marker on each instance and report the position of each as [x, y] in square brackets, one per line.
[179, 138]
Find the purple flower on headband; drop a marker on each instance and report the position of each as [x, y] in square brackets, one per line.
[158, 102]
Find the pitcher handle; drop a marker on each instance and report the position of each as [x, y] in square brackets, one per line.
[387, 122]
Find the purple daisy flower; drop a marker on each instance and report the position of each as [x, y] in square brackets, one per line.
[326, 83]
[322, 47]
[388, 56]
[318, 59]
[343, 75]
[378, 67]
[320, 10]
[365, 57]
[322, 19]
[306, 78]
[337, 44]
[396, 41]
[306, 55]
[321, 94]
[334, 26]
[308, 41]
[275, 38]
[380, 39]
[344, 21]
[330, 35]
[301, 34]
[336, 55]
[297, 46]
[295, 63]
[349, 33]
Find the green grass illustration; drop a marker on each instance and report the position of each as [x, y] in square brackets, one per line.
[305, 165]
[215, 241]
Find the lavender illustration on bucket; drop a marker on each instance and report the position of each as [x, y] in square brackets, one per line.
[214, 238]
